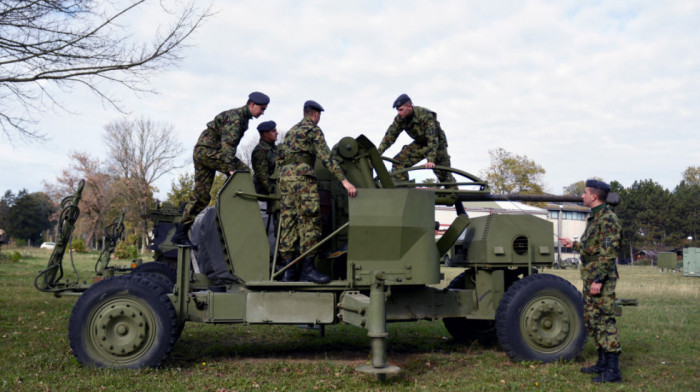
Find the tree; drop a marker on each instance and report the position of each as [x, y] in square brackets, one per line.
[687, 212]
[27, 215]
[69, 43]
[691, 175]
[646, 214]
[511, 173]
[578, 187]
[181, 190]
[96, 210]
[140, 152]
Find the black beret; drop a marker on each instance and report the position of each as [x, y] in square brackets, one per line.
[266, 126]
[313, 105]
[402, 99]
[597, 185]
[259, 98]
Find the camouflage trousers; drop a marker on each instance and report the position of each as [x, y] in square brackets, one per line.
[300, 215]
[207, 161]
[599, 316]
[413, 153]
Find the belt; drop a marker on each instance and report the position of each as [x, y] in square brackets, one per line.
[299, 158]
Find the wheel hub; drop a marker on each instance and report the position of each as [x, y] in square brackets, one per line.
[120, 329]
[547, 322]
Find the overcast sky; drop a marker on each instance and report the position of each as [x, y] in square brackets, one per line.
[584, 88]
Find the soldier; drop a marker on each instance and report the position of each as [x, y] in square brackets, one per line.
[300, 214]
[599, 247]
[429, 142]
[216, 151]
[264, 158]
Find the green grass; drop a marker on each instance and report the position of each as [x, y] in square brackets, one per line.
[659, 338]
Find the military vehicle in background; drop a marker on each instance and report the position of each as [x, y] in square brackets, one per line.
[388, 270]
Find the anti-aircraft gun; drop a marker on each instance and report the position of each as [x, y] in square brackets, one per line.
[379, 248]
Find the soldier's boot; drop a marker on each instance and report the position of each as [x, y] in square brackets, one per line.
[459, 207]
[310, 274]
[181, 236]
[599, 366]
[612, 369]
[290, 274]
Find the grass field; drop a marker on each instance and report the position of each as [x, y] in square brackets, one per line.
[660, 338]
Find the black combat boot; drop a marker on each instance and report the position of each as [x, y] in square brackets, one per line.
[599, 366]
[612, 369]
[310, 274]
[181, 236]
[290, 274]
[459, 207]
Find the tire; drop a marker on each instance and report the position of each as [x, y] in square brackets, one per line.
[123, 322]
[164, 283]
[158, 268]
[540, 318]
[465, 330]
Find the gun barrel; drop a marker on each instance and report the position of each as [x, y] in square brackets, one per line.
[613, 198]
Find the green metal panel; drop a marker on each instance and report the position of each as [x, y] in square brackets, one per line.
[691, 262]
[667, 260]
[353, 307]
[393, 231]
[241, 228]
[509, 239]
[290, 307]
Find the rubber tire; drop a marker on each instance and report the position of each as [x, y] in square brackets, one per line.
[163, 282]
[158, 268]
[141, 319]
[526, 305]
[465, 330]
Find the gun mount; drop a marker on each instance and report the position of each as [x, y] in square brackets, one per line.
[379, 248]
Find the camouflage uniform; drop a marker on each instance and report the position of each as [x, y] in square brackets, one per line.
[599, 248]
[215, 151]
[300, 214]
[429, 142]
[263, 159]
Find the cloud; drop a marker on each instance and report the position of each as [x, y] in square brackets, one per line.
[606, 89]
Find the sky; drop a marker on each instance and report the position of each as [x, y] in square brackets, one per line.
[607, 89]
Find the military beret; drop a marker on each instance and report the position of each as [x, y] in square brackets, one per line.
[402, 99]
[597, 185]
[313, 105]
[266, 126]
[259, 98]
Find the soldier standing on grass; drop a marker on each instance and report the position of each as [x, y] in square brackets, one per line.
[599, 247]
[429, 142]
[216, 151]
[300, 205]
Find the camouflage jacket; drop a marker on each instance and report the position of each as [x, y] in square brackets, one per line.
[302, 145]
[422, 126]
[225, 132]
[599, 245]
[263, 158]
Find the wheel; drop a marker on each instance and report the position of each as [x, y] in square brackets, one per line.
[123, 322]
[466, 330]
[540, 318]
[158, 268]
[164, 283]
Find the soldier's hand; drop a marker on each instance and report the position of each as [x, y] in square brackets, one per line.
[565, 242]
[352, 191]
[429, 165]
[595, 288]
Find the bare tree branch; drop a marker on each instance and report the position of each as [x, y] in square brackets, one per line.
[69, 43]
